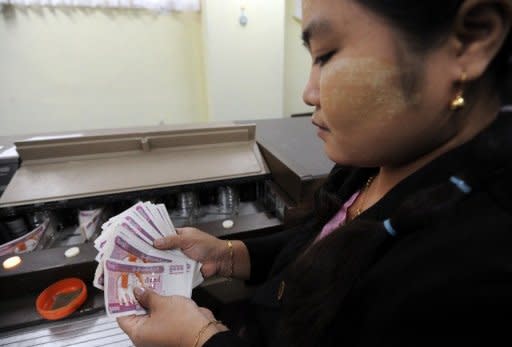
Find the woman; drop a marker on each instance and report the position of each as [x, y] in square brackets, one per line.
[411, 241]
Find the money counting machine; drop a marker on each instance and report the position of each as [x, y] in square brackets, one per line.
[232, 180]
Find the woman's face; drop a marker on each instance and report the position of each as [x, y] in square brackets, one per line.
[377, 104]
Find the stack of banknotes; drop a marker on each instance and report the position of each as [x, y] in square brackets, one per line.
[127, 259]
[88, 221]
[25, 243]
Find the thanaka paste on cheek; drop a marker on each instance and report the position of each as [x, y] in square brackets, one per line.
[352, 89]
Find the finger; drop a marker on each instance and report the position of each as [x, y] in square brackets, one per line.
[184, 230]
[207, 313]
[208, 270]
[147, 298]
[127, 323]
[169, 242]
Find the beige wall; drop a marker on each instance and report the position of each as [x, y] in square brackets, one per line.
[296, 66]
[244, 65]
[73, 69]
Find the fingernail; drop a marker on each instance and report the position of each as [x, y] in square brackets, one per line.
[158, 242]
[139, 291]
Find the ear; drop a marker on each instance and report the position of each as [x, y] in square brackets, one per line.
[481, 27]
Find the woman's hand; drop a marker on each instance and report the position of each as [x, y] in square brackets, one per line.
[212, 252]
[172, 321]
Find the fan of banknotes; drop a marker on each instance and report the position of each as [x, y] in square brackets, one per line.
[127, 259]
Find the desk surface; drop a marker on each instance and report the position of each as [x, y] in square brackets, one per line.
[295, 142]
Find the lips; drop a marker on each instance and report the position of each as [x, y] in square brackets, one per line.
[319, 125]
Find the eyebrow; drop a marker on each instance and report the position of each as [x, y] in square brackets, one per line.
[314, 28]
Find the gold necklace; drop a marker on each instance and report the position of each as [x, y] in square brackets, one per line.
[362, 197]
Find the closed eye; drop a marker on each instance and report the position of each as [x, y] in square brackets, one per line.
[323, 59]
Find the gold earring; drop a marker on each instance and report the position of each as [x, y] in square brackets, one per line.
[458, 102]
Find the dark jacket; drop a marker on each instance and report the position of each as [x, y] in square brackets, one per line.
[448, 284]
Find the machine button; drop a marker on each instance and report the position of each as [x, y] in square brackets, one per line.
[72, 252]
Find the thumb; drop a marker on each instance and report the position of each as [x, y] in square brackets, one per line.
[169, 242]
[146, 297]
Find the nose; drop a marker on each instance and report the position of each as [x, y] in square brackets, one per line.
[311, 94]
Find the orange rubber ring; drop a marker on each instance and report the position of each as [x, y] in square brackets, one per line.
[47, 298]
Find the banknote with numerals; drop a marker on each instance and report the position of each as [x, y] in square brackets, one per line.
[121, 277]
[127, 259]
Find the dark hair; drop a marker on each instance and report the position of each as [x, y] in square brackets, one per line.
[425, 24]
[316, 291]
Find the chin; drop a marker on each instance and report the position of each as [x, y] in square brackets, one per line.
[336, 157]
[343, 158]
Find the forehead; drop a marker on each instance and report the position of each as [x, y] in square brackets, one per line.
[322, 17]
[316, 7]
[332, 15]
